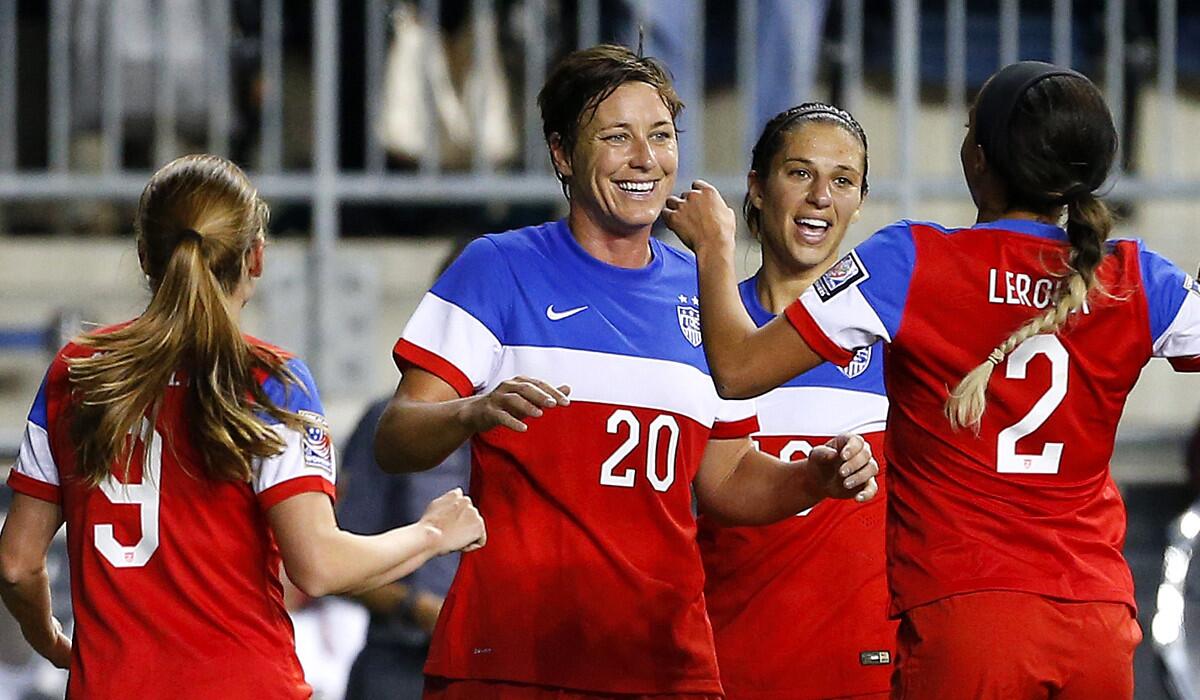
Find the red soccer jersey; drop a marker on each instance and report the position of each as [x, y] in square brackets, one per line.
[174, 577]
[800, 608]
[1028, 504]
[591, 579]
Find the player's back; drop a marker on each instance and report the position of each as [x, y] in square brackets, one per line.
[175, 576]
[1028, 503]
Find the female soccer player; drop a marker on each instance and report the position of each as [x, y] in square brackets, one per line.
[595, 588]
[822, 570]
[1004, 525]
[187, 459]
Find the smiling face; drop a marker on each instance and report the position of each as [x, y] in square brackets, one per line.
[622, 167]
[809, 195]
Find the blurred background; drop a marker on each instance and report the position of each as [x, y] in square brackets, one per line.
[383, 132]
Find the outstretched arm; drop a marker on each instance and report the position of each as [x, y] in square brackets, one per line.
[321, 558]
[24, 583]
[426, 420]
[739, 485]
[744, 360]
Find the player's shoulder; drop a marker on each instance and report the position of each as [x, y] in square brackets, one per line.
[294, 388]
[518, 242]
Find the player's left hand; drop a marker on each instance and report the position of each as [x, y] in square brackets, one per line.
[846, 468]
[701, 218]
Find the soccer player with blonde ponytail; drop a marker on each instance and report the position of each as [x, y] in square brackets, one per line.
[188, 461]
[1004, 527]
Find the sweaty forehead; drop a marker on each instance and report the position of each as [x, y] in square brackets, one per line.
[825, 141]
[633, 103]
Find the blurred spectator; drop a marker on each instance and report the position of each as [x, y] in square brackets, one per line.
[403, 613]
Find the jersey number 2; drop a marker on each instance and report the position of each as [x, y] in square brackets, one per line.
[1007, 459]
[145, 496]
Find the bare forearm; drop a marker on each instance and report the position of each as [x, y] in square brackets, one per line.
[724, 322]
[415, 436]
[763, 490]
[343, 562]
[28, 599]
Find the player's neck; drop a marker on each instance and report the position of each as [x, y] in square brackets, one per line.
[988, 214]
[629, 250]
[777, 287]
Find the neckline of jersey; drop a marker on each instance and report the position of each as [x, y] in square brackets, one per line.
[563, 232]
[1025, 226]
[749, 292]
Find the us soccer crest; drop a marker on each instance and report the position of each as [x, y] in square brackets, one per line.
[318, 448]
[858, 365]
[689, 322]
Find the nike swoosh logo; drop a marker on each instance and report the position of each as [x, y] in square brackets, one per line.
[560, 315]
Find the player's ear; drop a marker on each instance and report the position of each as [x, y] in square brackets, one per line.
[255, 257]
[754, 187]
[559, 156]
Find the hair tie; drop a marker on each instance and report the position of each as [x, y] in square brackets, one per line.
[192, 234]
[996, 356]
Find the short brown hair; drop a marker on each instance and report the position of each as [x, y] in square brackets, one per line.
[586, 77]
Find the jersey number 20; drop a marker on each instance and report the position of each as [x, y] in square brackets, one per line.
[1007, 459]
[664, 427]
[144, 495]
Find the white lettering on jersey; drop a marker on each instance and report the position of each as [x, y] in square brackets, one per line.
[1020, 289]
[145, 495]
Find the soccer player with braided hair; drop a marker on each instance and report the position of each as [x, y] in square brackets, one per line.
[1004, 528]
[188, 461]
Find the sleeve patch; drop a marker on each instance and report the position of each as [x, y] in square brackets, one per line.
[845, 274]
[318, 447]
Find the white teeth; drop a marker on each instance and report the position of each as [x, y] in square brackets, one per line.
[630, 186]
[813, 223]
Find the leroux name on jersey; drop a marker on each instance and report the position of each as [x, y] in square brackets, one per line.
[1020, 289]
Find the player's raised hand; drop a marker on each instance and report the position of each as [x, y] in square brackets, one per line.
[700, 217]
[846, 467]
[514, 400]
[455, 522]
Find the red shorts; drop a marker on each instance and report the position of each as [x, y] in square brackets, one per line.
[1015, 646]
[454, 689]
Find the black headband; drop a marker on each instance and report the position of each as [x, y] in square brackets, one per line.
[998, 100]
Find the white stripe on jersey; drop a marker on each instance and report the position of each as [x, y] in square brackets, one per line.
[34, 458]
[847, 318]
[456, 336]
[289, 464]
[818, 410]
[1182, 337]
[621, 380]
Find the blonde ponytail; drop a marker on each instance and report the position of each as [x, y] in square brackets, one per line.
[198, 219]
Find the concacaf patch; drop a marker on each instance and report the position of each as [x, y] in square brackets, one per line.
[845, 273]
[318, 447]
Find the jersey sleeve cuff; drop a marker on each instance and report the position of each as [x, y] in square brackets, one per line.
[408, 355]
[32, 487]
[293, 487]
[812, 334]
[734, 429]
